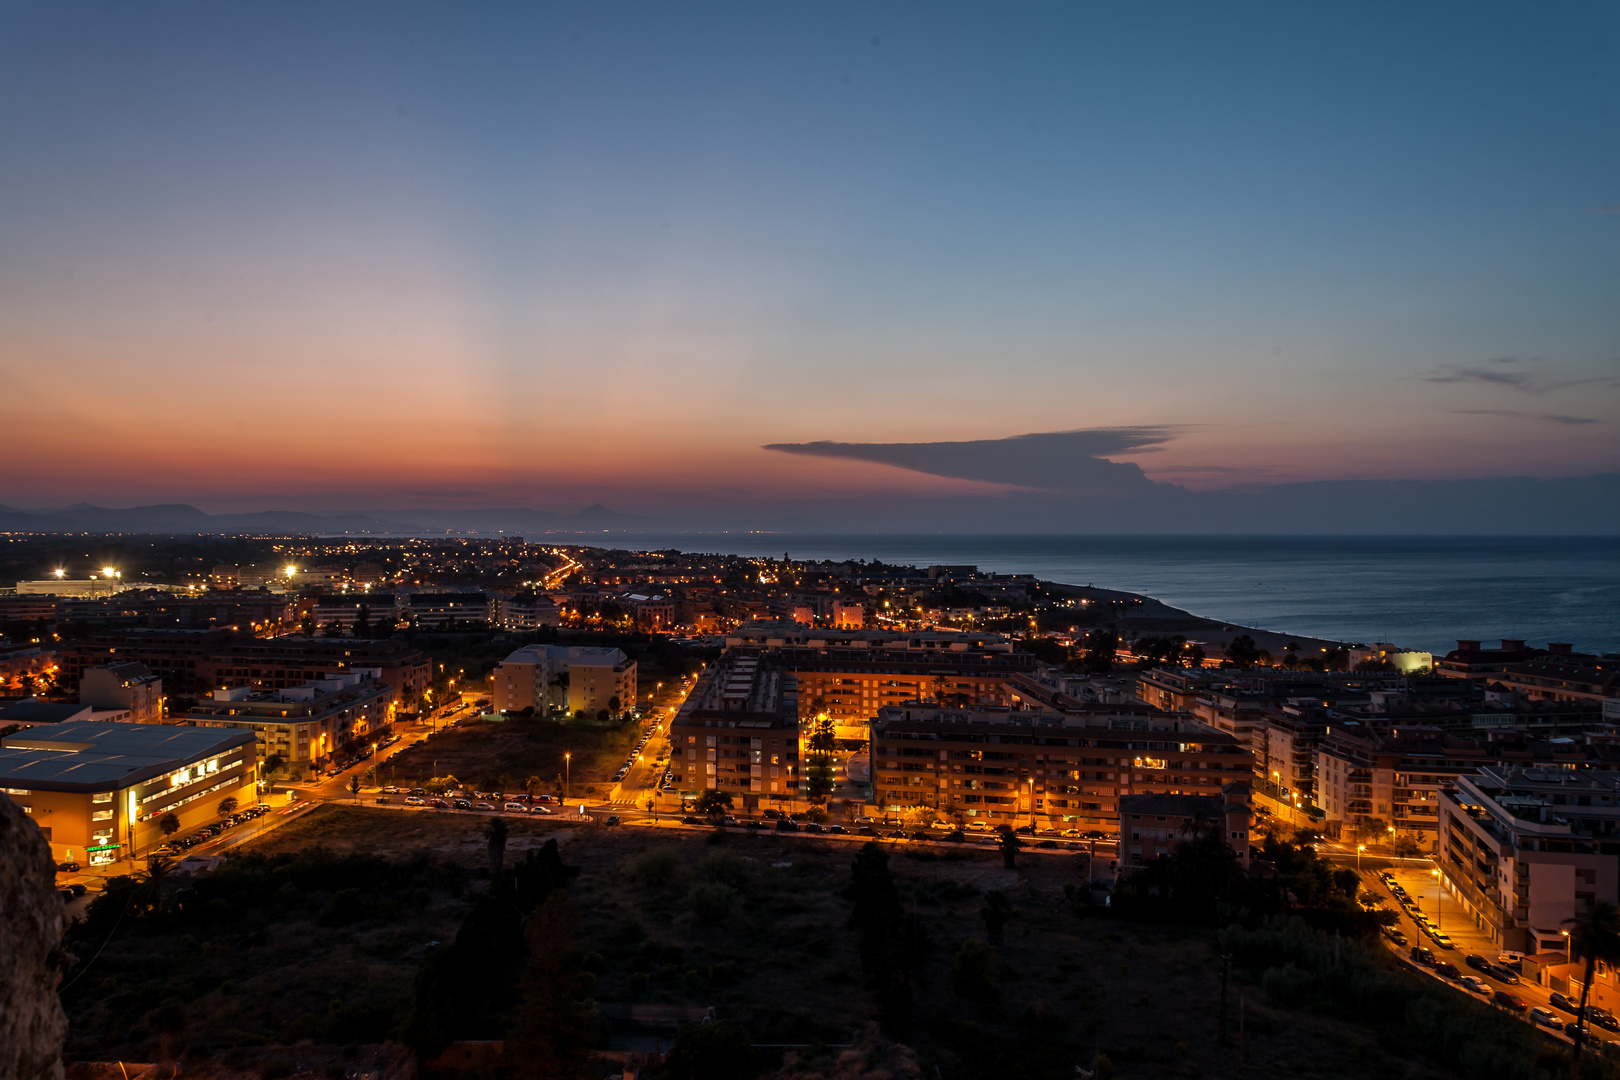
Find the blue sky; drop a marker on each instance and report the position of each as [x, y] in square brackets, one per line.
[616, 249]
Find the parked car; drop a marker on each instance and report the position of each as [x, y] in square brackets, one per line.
[1450, 971]
[867, 830]
[837, 829]
[1474, 983]
[1559, 1001]
[1477, 962]
[785, 825]
[1509, 1000]
[461, 804]
[1395, 935]
[690, 820]
[1503, 974]
[516, 808]
[1545, 1018]
[811, 826]
[895, 834]
[483, 806]
[413, 800]
[1442, 940]
[541, 810]
[1572, 1029]
[955, 836]
[729, 821]
[68, 867]
[1603, 1018]
[756, 825]
[613, 819]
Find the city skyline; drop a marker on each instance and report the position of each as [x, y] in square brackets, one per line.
[320, 260]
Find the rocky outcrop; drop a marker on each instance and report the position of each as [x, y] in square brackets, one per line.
[32, 1024]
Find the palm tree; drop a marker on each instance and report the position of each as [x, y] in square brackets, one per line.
[154, 882]
[1594, 934]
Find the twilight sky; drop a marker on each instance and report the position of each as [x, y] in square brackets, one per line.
[348, 255]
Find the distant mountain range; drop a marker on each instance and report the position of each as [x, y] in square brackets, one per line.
[1500, 506]
[181, 518]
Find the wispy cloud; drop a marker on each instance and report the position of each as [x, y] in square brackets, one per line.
[1520, 414]
[1508, 372]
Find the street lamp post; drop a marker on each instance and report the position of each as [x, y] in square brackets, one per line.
[568, 774]
[1359, 849]
[1439, 899]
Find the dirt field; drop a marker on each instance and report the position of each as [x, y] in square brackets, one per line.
[503, 755]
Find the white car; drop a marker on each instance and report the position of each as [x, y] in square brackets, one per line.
[538, 809]
[1545, 1016]
[1475, 983]
[414, 800]
[516, 808]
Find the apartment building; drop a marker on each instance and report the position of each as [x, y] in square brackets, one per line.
[530, 612]
[1525, 849]
[1393, 780]
[738, 731]
[433, 610]
[305, 725]
[96, 789]
[1152, 826]
[348, 610]
[1055, 769]
[265, 664]
[851, 675]
[1563, 676]
[571, 678]
[181, 658]
[129, 686]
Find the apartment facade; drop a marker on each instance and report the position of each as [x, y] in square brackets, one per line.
[305, 726]
[128, 686]
[268, 664]
[1524, 850]
[574, 678]
[1152, 826]
[738, 732]
[1053, 769]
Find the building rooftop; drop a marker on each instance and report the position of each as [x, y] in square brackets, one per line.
[99, 756]
[40, 712]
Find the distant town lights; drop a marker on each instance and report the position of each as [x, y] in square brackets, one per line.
[60, 572]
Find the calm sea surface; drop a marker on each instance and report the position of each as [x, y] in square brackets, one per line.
[1419, 592]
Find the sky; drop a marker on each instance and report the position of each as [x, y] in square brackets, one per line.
[317, 256]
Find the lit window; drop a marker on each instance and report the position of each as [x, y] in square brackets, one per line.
[101, 815]
[101, 796]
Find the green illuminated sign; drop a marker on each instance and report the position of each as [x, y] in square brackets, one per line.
[104, 847]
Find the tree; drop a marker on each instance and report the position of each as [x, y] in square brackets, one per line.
[169, 823]
[1242, 653]
[354, 786]
[713, 801]
[306, 624]
[495, 837]
[1009, 849]
[227, 806]
[333, 629]
[555, 1028]
[720, 1051]
[1594, 936]
[1101, 648]
[362, 622]
[995, 913]
[613, 705]
[273, 764]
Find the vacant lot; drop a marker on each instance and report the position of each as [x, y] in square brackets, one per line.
[504, 754]
[278, 951]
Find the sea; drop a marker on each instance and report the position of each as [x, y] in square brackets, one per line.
[1417, 592]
